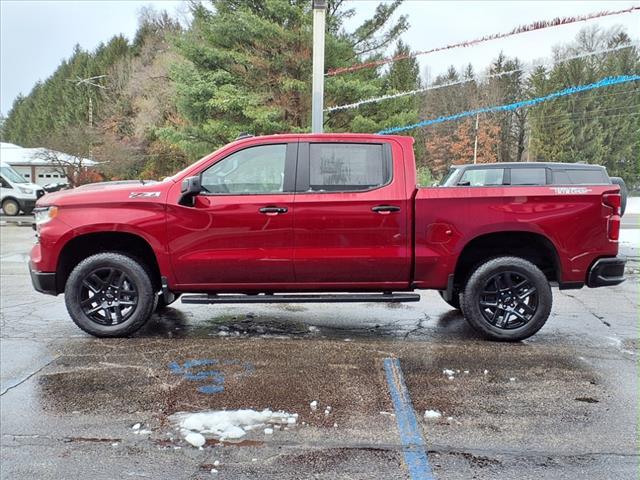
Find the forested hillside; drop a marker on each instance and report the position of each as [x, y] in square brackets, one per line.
[175, 93]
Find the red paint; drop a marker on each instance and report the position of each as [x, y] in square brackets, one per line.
[330, 241]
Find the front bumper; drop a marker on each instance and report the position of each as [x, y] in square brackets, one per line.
[43, 282]
[606, 272]
[27, 204]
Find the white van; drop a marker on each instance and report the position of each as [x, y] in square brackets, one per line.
[17, 193]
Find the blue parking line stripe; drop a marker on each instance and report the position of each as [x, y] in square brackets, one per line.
[413, 445]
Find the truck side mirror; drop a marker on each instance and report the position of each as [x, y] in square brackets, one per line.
[190, 187]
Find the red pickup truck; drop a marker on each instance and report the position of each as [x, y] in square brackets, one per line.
[308, 218]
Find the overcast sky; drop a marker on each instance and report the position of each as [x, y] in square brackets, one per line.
[36, 35]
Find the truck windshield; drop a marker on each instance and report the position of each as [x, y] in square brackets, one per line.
[11, 175]
[448, 178]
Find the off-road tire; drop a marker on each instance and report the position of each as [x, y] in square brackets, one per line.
[477, 284]
[135, 272]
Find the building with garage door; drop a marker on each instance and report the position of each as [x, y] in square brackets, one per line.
[42, 165]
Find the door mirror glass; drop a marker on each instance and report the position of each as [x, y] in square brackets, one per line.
[190, 187]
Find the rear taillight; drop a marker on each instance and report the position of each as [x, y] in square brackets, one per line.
[613, 201]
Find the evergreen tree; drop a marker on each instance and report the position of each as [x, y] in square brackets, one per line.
[249, 69]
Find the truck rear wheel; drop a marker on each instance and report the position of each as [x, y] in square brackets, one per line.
[507, 299]
[109, 295]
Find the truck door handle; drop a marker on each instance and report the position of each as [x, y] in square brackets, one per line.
[385, 209]
[273, 210]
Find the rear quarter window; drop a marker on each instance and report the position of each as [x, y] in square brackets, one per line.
[528, 176]
[576, 176]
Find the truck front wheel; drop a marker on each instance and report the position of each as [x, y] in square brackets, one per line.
[109, 295]
[507, 299]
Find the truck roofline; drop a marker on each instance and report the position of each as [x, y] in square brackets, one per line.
[529, 165]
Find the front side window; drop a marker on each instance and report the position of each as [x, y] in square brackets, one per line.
[528, 176]
[347, 167]
[253, 170]
[478, 177]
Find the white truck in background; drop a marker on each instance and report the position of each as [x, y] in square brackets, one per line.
[16, 193]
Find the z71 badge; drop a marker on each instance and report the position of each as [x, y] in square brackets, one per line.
[571, 190]
[144, 194]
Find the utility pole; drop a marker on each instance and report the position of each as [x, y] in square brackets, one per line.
[89, 82]
[475, 143]
[317, 99]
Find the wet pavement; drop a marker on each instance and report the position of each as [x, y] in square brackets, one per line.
[561, 405]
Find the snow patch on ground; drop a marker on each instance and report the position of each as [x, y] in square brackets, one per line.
[228, 424]
[432, 414]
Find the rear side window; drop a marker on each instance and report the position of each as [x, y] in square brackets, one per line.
[478, 177]
[336, 167]
[528, 176]
[584, 176]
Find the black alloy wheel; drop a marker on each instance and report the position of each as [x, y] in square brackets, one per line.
[108, 296]
[509, 300]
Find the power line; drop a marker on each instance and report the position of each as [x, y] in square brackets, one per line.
[605, 82]
[538, 25]
[469, 80]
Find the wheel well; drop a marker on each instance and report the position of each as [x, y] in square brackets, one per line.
[531, 246]
[79, 248]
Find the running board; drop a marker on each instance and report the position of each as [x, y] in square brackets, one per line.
[303, 298]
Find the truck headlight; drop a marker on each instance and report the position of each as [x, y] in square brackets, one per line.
[44, 214]
[25, 190]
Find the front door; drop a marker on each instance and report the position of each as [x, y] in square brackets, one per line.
[238, 235]
[352, 214]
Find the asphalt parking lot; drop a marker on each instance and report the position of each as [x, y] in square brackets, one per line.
[561, 405]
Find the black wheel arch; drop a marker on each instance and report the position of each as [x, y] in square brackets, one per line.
[125, 243]
[533, 247]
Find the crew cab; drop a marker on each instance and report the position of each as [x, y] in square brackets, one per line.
[322, 218]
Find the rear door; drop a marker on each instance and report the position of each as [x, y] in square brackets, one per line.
[351, 224]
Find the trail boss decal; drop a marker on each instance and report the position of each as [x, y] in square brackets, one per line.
[571, 190]
[144, 194]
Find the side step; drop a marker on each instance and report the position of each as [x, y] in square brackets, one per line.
[303, 298]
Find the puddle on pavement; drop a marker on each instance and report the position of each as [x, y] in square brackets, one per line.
[156, 379]
[492, 384]
[296, 321]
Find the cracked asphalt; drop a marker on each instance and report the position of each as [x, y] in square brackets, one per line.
[561, 405]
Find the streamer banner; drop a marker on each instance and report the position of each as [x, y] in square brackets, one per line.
[468, 80]
[605, 82]
[538, 25]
